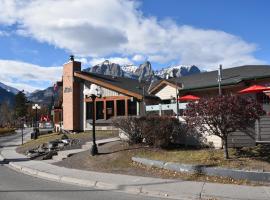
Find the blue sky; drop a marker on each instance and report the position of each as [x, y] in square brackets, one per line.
[35, 41]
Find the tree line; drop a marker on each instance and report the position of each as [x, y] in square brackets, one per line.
[12, 116]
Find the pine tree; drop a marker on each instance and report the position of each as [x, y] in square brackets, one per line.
[20, 105]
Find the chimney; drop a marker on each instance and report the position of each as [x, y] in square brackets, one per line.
[71, 96]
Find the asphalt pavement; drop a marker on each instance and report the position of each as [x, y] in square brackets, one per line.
[18, 186]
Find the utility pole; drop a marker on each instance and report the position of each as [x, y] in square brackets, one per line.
[219, 79]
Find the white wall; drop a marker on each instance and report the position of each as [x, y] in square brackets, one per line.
[167, 93]
[105, 92]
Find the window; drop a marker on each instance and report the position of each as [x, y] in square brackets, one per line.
[132, 107]
[89, 110]
[99, 110]
[121, 108]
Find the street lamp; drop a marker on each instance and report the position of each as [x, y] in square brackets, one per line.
[36, 107]
[94, 92]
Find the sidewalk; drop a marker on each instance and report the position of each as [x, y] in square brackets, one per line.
[175, 189]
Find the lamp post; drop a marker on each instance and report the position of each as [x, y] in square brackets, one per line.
[36, 107]
[93, 92]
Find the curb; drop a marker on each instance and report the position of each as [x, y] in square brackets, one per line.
[1, 158]
[210, 171]
[96, 184]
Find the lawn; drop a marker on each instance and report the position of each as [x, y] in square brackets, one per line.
[83, 137]
[4, 131]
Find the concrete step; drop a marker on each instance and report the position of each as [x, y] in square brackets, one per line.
[61, 155]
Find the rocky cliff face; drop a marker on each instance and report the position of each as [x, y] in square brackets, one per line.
[107, 68]
[177, 71]
[143, 72]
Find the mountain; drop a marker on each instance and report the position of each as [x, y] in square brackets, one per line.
[42, 96]
[143, 72]
[6, 96]
[9, 88]
[107, 68]
[177, 71]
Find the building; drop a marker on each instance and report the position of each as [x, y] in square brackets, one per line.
[121, 97]
[129, 97]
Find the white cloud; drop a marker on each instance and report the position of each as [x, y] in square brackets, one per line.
[4, 33]
[97, 29]
[118, 60]
[138, 58]
[27, 76]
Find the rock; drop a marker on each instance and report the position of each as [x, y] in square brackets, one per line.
[144, 71]
[64, 137]
[49, 155]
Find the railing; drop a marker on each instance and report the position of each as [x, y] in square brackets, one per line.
[165, 107]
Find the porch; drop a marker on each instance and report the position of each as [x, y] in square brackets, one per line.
[108, 107]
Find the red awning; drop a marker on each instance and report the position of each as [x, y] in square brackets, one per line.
[188, 98]
[254, 89]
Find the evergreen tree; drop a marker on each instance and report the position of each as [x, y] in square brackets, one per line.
[20, 105]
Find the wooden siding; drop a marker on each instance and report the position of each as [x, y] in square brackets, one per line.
[107, 92]
[166, 93]
[241, 139]
[263, 127]
[260, 132]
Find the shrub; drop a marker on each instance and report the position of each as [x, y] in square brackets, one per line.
[157, 131]
[132, 126]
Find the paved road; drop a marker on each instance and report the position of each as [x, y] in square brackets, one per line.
[17, 186]
[14, 185]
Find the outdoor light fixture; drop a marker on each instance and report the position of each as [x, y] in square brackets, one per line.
[36, 107]
[94, 92]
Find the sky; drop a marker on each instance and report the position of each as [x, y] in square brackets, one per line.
[37, 36]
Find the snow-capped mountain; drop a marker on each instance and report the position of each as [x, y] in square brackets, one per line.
[177, 71]
[143, 71]
[129, 68]
[9, 88]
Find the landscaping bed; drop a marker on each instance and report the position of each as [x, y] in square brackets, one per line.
[116, 157]
[6, 131]
[74, 141]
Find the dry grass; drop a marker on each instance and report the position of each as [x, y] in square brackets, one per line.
[87, 136]
[4, 131]
[255, 158]
[116, 158]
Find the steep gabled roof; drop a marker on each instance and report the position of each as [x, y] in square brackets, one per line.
[128, 86]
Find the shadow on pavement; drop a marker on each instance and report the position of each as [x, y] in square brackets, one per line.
[6, 161]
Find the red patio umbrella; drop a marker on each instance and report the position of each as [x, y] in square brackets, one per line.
[254, 89]
[188, 98]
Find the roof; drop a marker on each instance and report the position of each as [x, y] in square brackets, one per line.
[158, 85]
[128, 86]
[230, 76]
